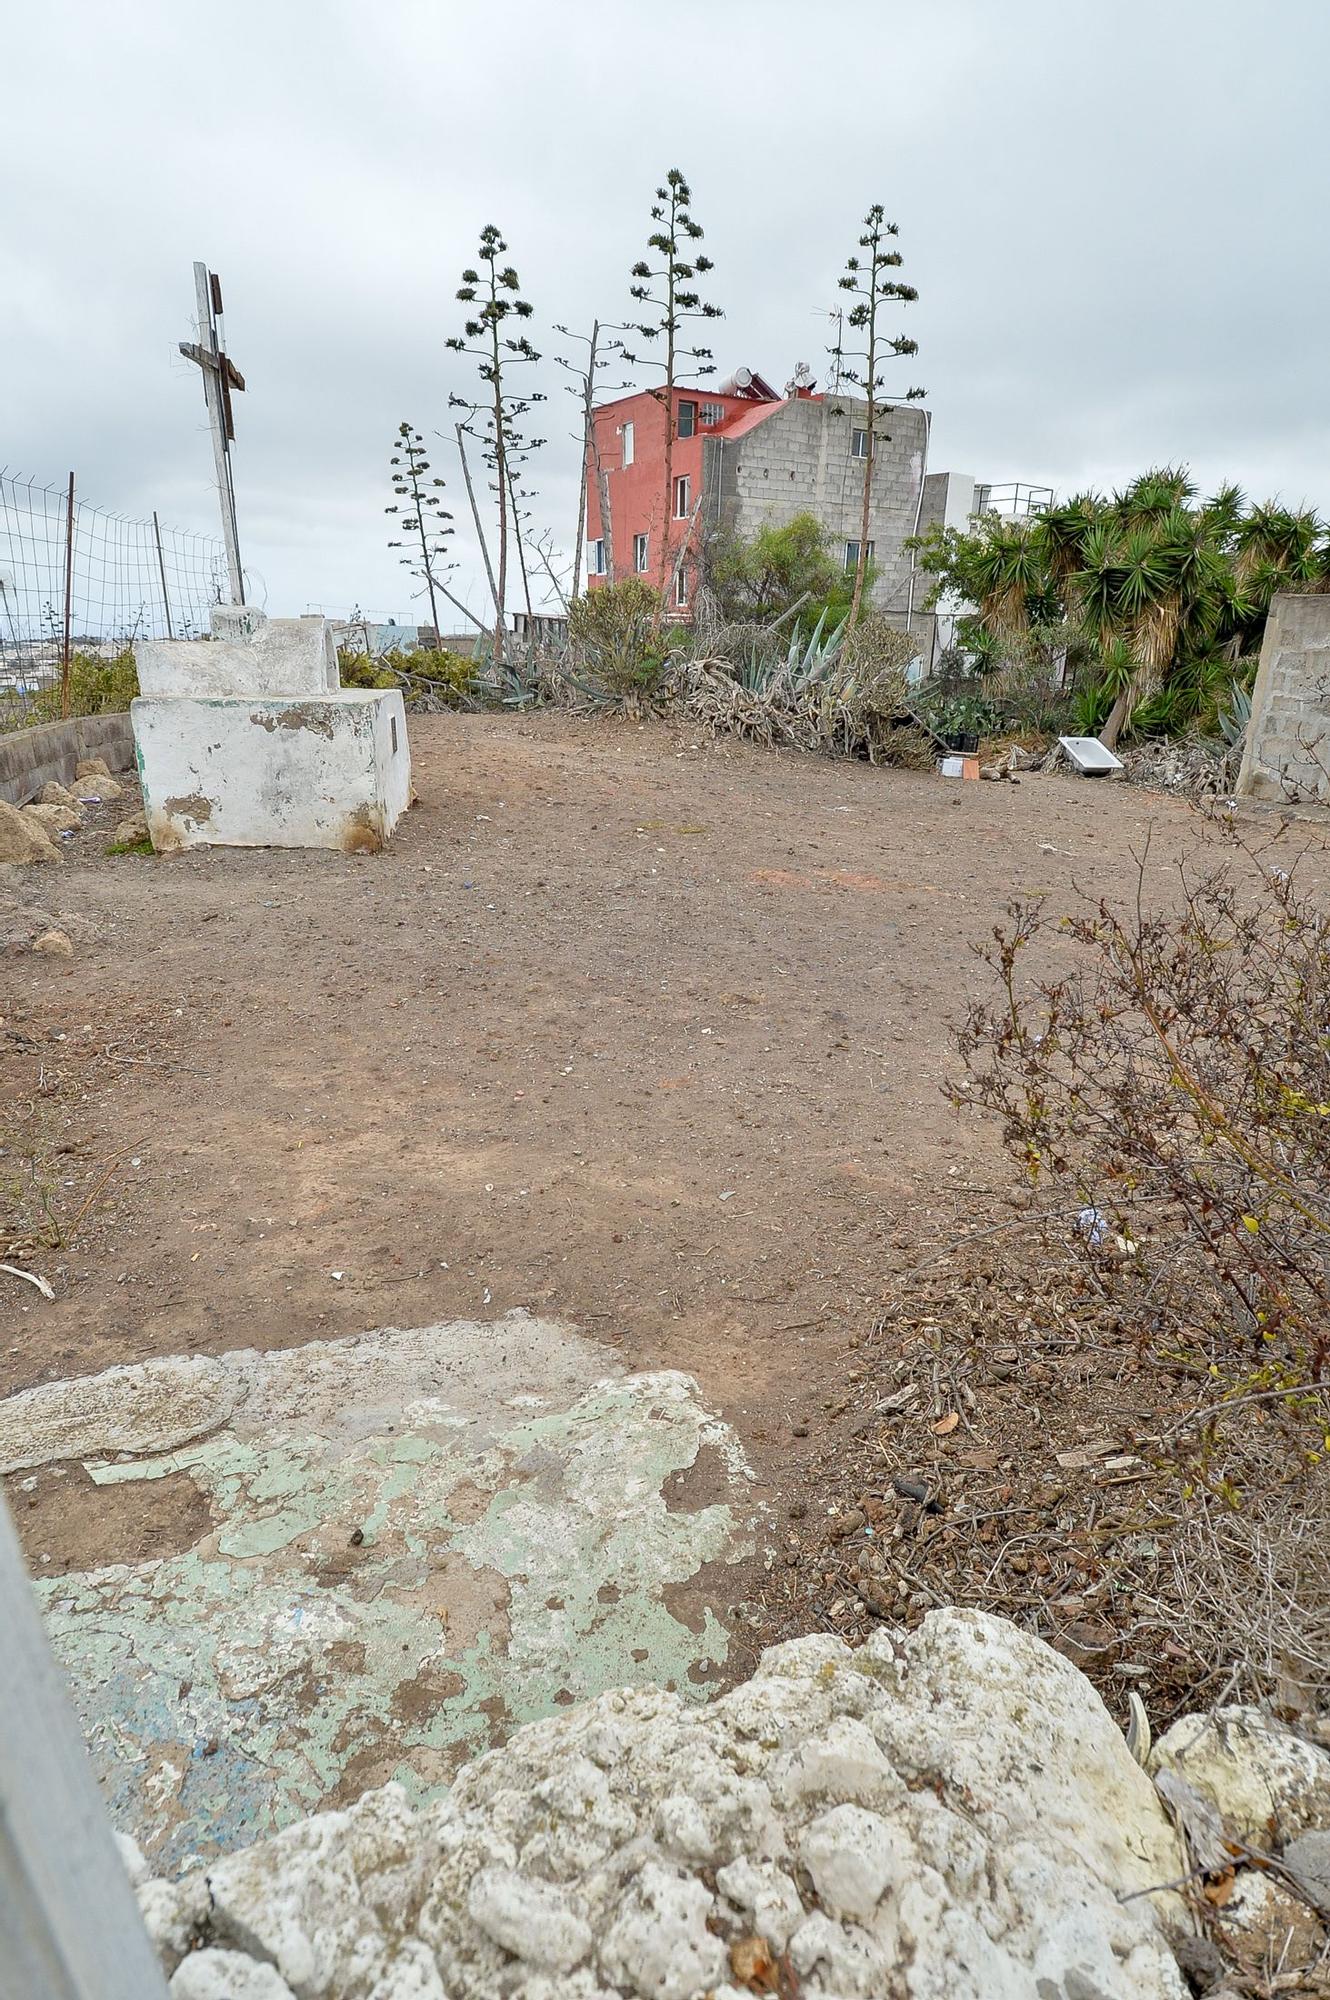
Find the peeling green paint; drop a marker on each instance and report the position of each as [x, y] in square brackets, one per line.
[502, 1569]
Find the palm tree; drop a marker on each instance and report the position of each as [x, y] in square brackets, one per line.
[1168, 591]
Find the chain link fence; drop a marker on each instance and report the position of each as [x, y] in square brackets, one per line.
[78, 585]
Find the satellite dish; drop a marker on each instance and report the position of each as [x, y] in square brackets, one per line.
[743, 378]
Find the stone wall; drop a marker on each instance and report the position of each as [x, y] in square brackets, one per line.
[1287, 755]
[47, 754]
[798, 460]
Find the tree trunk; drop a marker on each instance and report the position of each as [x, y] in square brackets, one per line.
[424, 555]
[520, 546]
[671, 255]
[475, 516]
[861, 567]
[465, 609]
[588, 395]
[501, 472]
[1117, 715]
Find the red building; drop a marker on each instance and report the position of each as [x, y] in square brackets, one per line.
[630, 449]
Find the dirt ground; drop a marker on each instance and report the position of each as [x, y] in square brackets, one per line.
[639, 1031]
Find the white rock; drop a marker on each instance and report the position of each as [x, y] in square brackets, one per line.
[842, 1762]
[958, 1801]
[173, 1915]
[853, 1857]
[532, 1920]
[329, 1899]
[410, 1975]
[838, 1959]
[1268, 1783]
[132, 1855]
[659, 1945]
[227, 1975]
[767, 1897]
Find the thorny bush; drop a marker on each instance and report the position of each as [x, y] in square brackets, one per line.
[1175, 1088]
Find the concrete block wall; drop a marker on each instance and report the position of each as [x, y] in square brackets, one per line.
[49, 753]
[799, 461]
[1287, 753]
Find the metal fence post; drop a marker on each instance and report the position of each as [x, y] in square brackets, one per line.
[69, 600]
[70, 1927]
[161, 570]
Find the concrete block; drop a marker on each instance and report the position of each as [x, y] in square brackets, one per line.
[49, 752]
[272, 656]
[324, 770]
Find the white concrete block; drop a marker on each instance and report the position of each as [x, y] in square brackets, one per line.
[291, 770]
[279, 656]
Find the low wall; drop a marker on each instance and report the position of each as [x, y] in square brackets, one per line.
[31, 758]
[1287, 754]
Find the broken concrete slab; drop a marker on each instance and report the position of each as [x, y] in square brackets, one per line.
[412, 1540]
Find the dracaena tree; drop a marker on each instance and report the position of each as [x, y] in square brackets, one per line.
[665, 284]
[424, 521]
[862, 353]
[495, 417]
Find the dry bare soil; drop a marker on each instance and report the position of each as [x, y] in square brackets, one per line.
[644, 1032]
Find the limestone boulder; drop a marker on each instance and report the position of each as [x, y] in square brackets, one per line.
[132, 830]
[92, 767]
[226, 1975]
[55, 794]
[55, 819]
[24, 839]
[54, 943]
[1267, 1783]
[949, 1814]
[95, 790]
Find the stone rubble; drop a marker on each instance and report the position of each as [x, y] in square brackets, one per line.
[1269, 1784]
[54, 943]
[54, 819]
[24, 839]
[948, 1814]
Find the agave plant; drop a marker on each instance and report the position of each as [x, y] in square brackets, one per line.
[1234, 720]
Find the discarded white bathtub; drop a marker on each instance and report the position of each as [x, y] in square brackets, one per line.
[1089, 756]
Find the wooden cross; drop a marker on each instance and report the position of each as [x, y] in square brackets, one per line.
[220, 377]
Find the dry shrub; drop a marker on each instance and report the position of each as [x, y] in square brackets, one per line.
[1174, 1088]
[842, 693]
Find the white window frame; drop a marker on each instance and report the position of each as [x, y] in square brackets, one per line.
[852, 561]
[681, 585]
[686, 403]
[596, 562]
[641, 554]
[709, 414]
[683, 490]
[855, 436]
[627, 435]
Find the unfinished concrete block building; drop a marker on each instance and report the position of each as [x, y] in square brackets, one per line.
[744, 458]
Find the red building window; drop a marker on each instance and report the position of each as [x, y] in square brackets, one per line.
[687, 420]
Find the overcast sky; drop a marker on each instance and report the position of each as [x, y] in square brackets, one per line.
[1113, 212]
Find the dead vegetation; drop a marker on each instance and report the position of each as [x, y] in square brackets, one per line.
[1107, 1413]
